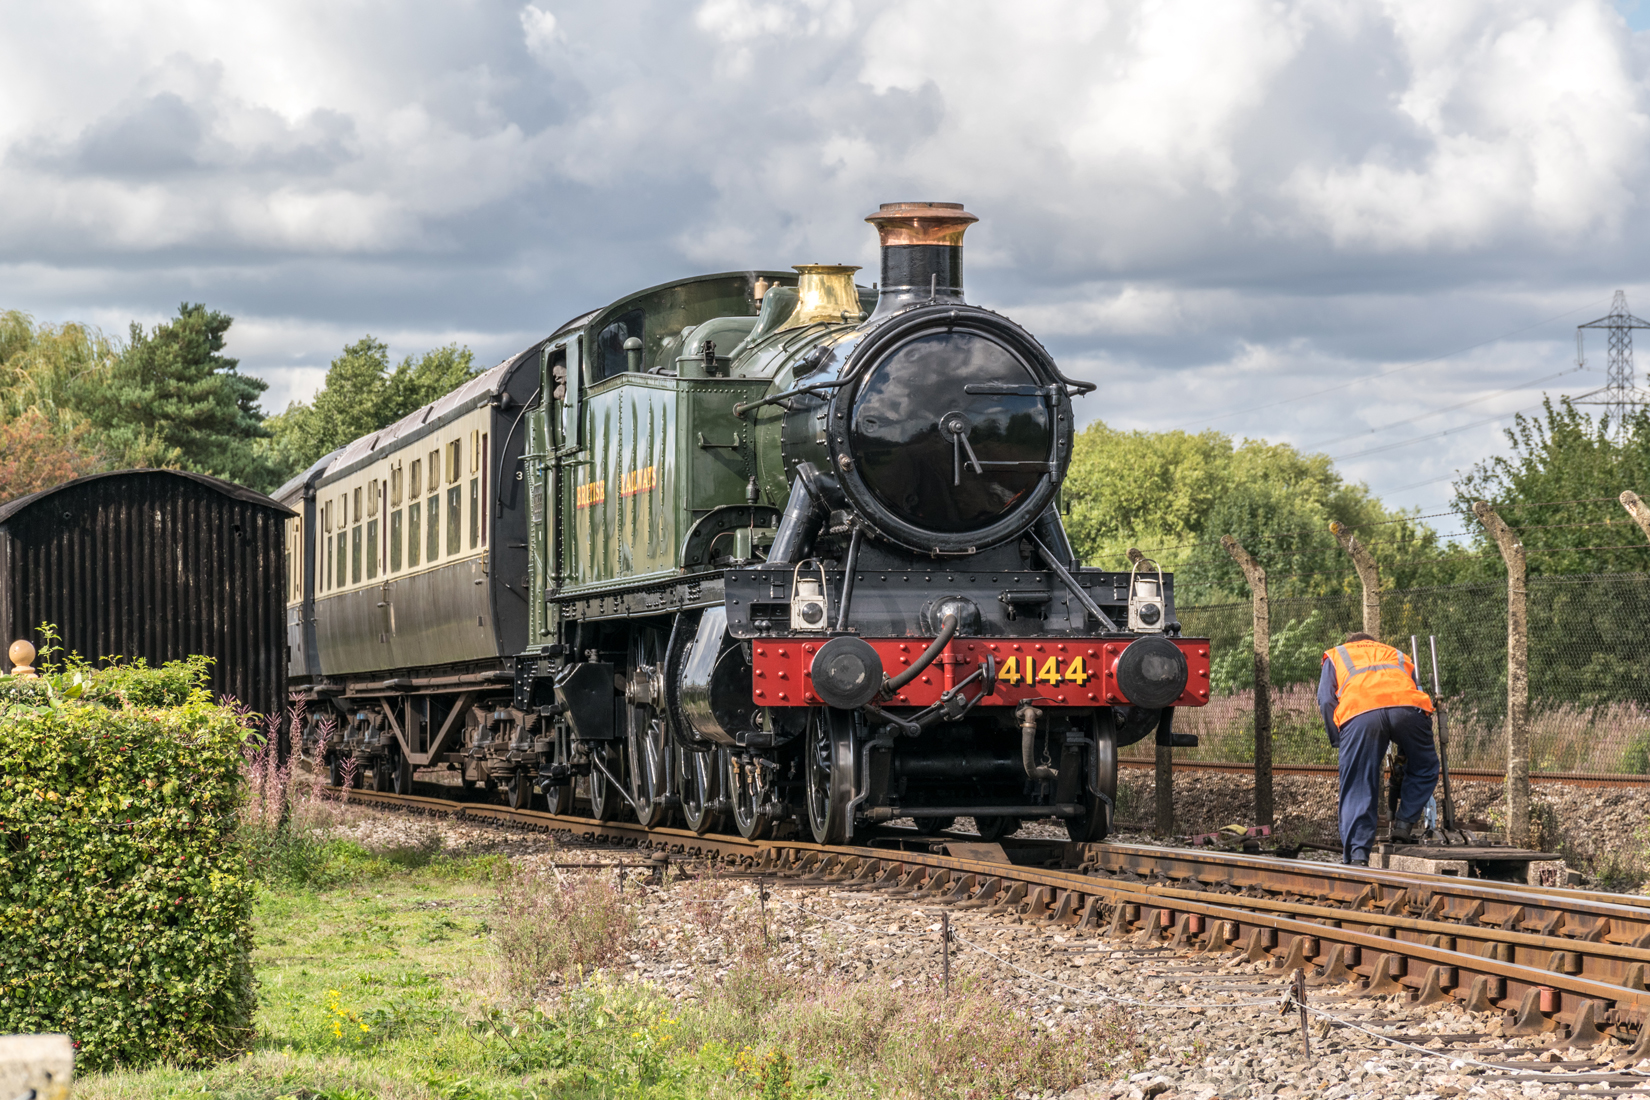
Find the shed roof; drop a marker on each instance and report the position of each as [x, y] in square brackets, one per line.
[227, 488]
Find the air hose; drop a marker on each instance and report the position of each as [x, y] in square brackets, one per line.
[948, 629]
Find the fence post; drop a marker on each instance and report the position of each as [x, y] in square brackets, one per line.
[1635, 508]
[1364, 562]
[1518, 676]
[1256, 576]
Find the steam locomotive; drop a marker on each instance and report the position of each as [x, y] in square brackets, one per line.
[758, 550]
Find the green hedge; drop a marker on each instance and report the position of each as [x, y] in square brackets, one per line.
[125, 906]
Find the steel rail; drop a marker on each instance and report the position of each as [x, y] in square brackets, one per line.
[1400, 932]
[1476, 775]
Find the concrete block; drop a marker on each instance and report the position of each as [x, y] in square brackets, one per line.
[1419, 865]
[42, 1063]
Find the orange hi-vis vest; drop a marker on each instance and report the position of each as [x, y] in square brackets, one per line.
[1371, 675]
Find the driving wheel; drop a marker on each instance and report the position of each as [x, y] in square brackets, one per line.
[829, 774]
[1095, 821]
[743, 792]
[647, 741]
[605, 797]
[700, 781]
[558, 797]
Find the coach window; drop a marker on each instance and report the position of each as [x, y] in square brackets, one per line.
[395, 486]
[395, 541]
[343, 555]
[357, 506]
[414, 487]
[475, 489]
[414, 514]
[355, 554]
[432, 520]
[455, 516]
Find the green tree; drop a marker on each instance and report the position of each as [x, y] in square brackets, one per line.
[1173, 495]
[1559, 486]
[361, 395]
[172, 398]
[44, 438]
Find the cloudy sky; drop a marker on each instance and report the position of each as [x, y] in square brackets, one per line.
[1350, 225]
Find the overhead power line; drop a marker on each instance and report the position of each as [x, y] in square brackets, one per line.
[1390, 371]
[1446, 408]
[1432, 435]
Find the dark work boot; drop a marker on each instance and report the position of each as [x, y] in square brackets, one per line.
[1403, 832]
[1359, 859]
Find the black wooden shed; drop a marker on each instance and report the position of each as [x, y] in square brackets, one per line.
[158, 564]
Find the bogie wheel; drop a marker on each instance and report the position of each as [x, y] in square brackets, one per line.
[401, 774]
[700, 782]
[335, 771]
[995, 828]
[828, 764]
[1095, 821]
[559, 797]
[518, 791]
[605, 796]
[742, 791]
[647, 740]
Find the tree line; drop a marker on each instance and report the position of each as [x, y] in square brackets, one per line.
[77, 401]
[1175, 494]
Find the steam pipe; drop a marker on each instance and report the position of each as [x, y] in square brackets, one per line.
[1029, 717]
[1052, 533]
[848, 579]
[804, 508]
[948, 628]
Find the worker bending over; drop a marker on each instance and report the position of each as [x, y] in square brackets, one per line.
[1370, 697]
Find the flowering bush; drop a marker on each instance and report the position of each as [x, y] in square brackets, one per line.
[125, 906]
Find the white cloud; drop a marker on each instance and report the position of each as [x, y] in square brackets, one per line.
[539, 27]
[1193, 201]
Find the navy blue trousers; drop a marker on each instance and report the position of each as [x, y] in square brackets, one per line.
[1364, 741]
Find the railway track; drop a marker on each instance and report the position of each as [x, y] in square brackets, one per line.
[1569, 965]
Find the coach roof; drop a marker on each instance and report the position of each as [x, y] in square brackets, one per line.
[478, 391]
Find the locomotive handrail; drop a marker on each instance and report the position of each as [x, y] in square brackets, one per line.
[812, 387]
[1071, 582]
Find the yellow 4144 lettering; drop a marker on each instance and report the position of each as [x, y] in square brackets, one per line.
[1029, 670]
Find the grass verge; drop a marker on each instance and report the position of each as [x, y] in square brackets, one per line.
[414, 977]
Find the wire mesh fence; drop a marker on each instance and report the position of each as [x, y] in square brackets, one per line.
[1589, 667]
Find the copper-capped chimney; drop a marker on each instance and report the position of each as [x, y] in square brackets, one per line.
[921, 252]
